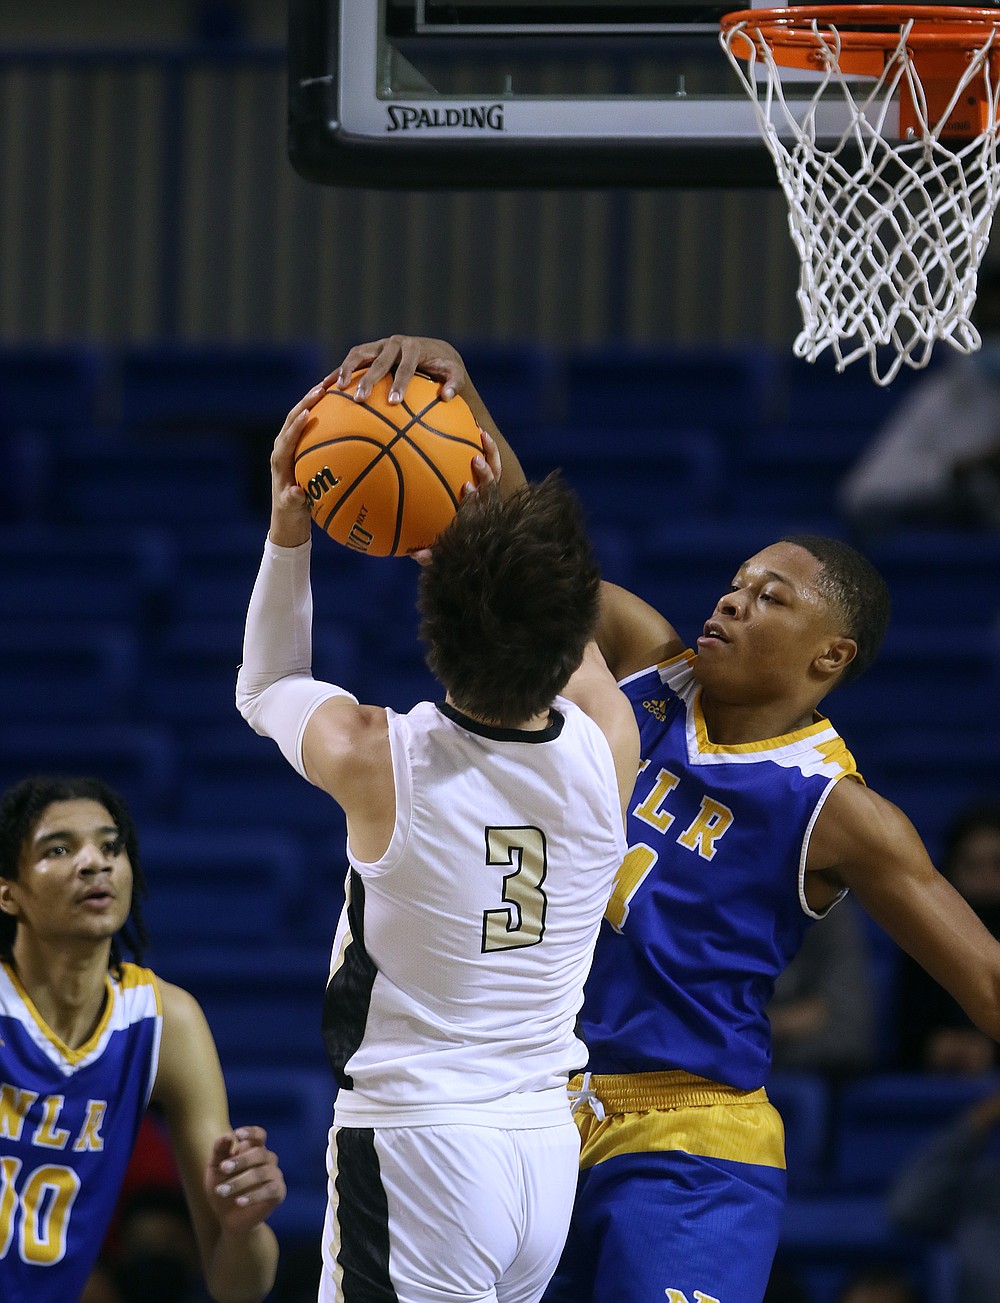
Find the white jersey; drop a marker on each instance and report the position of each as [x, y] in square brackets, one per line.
[459, 963]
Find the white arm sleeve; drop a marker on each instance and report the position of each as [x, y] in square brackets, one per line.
[275, 690]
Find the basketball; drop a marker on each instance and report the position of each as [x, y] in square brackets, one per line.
[384, 479]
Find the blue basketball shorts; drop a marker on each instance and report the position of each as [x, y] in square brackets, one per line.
[680, 1195]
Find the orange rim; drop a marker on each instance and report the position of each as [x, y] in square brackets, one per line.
[869, 27]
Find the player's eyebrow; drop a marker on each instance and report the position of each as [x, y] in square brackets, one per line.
[66, 834]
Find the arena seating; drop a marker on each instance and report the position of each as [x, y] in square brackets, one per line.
[134, 515]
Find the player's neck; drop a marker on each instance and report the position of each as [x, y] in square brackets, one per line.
[536, 722]
[67, 986]
[736, 723]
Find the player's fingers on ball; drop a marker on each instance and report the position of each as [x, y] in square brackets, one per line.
[361, 355]
[492, 453]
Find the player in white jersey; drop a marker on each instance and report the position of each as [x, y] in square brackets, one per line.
[484, 833]
[86, 1041]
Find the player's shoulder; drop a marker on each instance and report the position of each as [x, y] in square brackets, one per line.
[855, 815]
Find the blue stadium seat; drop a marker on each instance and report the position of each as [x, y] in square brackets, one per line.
[923, 675]
[90, 576]
[811, 391]
[882, 1122]
[825, 1239]
[189, 677]
[803, 1100]
[208, 887]
[949, 575]
[138, 760]
[149, 481]
[933, 771]
[521, 384]
[51, 670]
[231, 778]
[53, 387]
[295, 1107]
[635, 480]
[231, 386]
[729, 390]
[264, 1004]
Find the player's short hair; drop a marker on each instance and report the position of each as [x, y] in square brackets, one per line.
[510, 600]
[856, 590]
[21, 808]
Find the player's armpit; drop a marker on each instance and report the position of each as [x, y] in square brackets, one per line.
[866, 843]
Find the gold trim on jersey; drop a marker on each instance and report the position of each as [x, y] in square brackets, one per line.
[132, 977]
[661, 1111]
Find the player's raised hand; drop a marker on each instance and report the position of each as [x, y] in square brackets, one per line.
[290, 519]
[402, 355]
[243, 1180]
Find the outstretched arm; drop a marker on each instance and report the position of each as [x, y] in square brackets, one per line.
[864, 842]
[630, 634]
[231, 1179]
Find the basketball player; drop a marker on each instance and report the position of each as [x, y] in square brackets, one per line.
[749, 820]
[484, 832]
[86, 1041]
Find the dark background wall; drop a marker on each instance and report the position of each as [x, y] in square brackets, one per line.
[147, 192]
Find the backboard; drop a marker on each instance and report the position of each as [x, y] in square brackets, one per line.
[516, 94]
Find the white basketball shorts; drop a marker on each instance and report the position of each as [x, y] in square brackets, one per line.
[446, 1214]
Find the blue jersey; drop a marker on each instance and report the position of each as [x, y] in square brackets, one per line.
[68, 1123]
[709, 905]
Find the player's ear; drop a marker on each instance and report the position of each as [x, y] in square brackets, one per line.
[8, 904]
[836, 657]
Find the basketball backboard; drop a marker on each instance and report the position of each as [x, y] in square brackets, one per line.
[519, 93]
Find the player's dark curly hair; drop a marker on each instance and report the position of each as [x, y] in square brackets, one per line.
[21, 808]
[856, 590]
[510, 600]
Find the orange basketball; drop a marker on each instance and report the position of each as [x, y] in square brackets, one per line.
[385, 479]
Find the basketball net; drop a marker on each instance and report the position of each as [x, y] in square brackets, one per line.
[890, 233]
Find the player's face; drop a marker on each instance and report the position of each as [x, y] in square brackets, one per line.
[75, 878]
[766, 632]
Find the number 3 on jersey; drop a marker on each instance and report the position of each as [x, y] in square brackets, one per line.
[520, 921]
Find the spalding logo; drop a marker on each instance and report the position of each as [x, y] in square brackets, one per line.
[479, 117]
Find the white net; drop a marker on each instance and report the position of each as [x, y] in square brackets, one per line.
[890, 233]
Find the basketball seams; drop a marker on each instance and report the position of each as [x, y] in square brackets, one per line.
[403, 448]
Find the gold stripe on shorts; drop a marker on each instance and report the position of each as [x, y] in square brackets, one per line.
[662, 1111]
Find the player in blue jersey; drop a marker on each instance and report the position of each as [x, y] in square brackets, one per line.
[749, 819]
[87, 1040]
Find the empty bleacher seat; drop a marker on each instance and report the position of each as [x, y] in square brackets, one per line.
[136, 759]
[884, 1120]
[229, 386]
[52, 387]
[295, 1107]
[95, 575]
[932, 771]
[729, 390]
[521, 384]
[51, 672]
[264, 1004]
[816, 398]
[207, 886]
[636, 480]
[803, 1100]
[149, 481]
[231, 778]
[947, 575]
